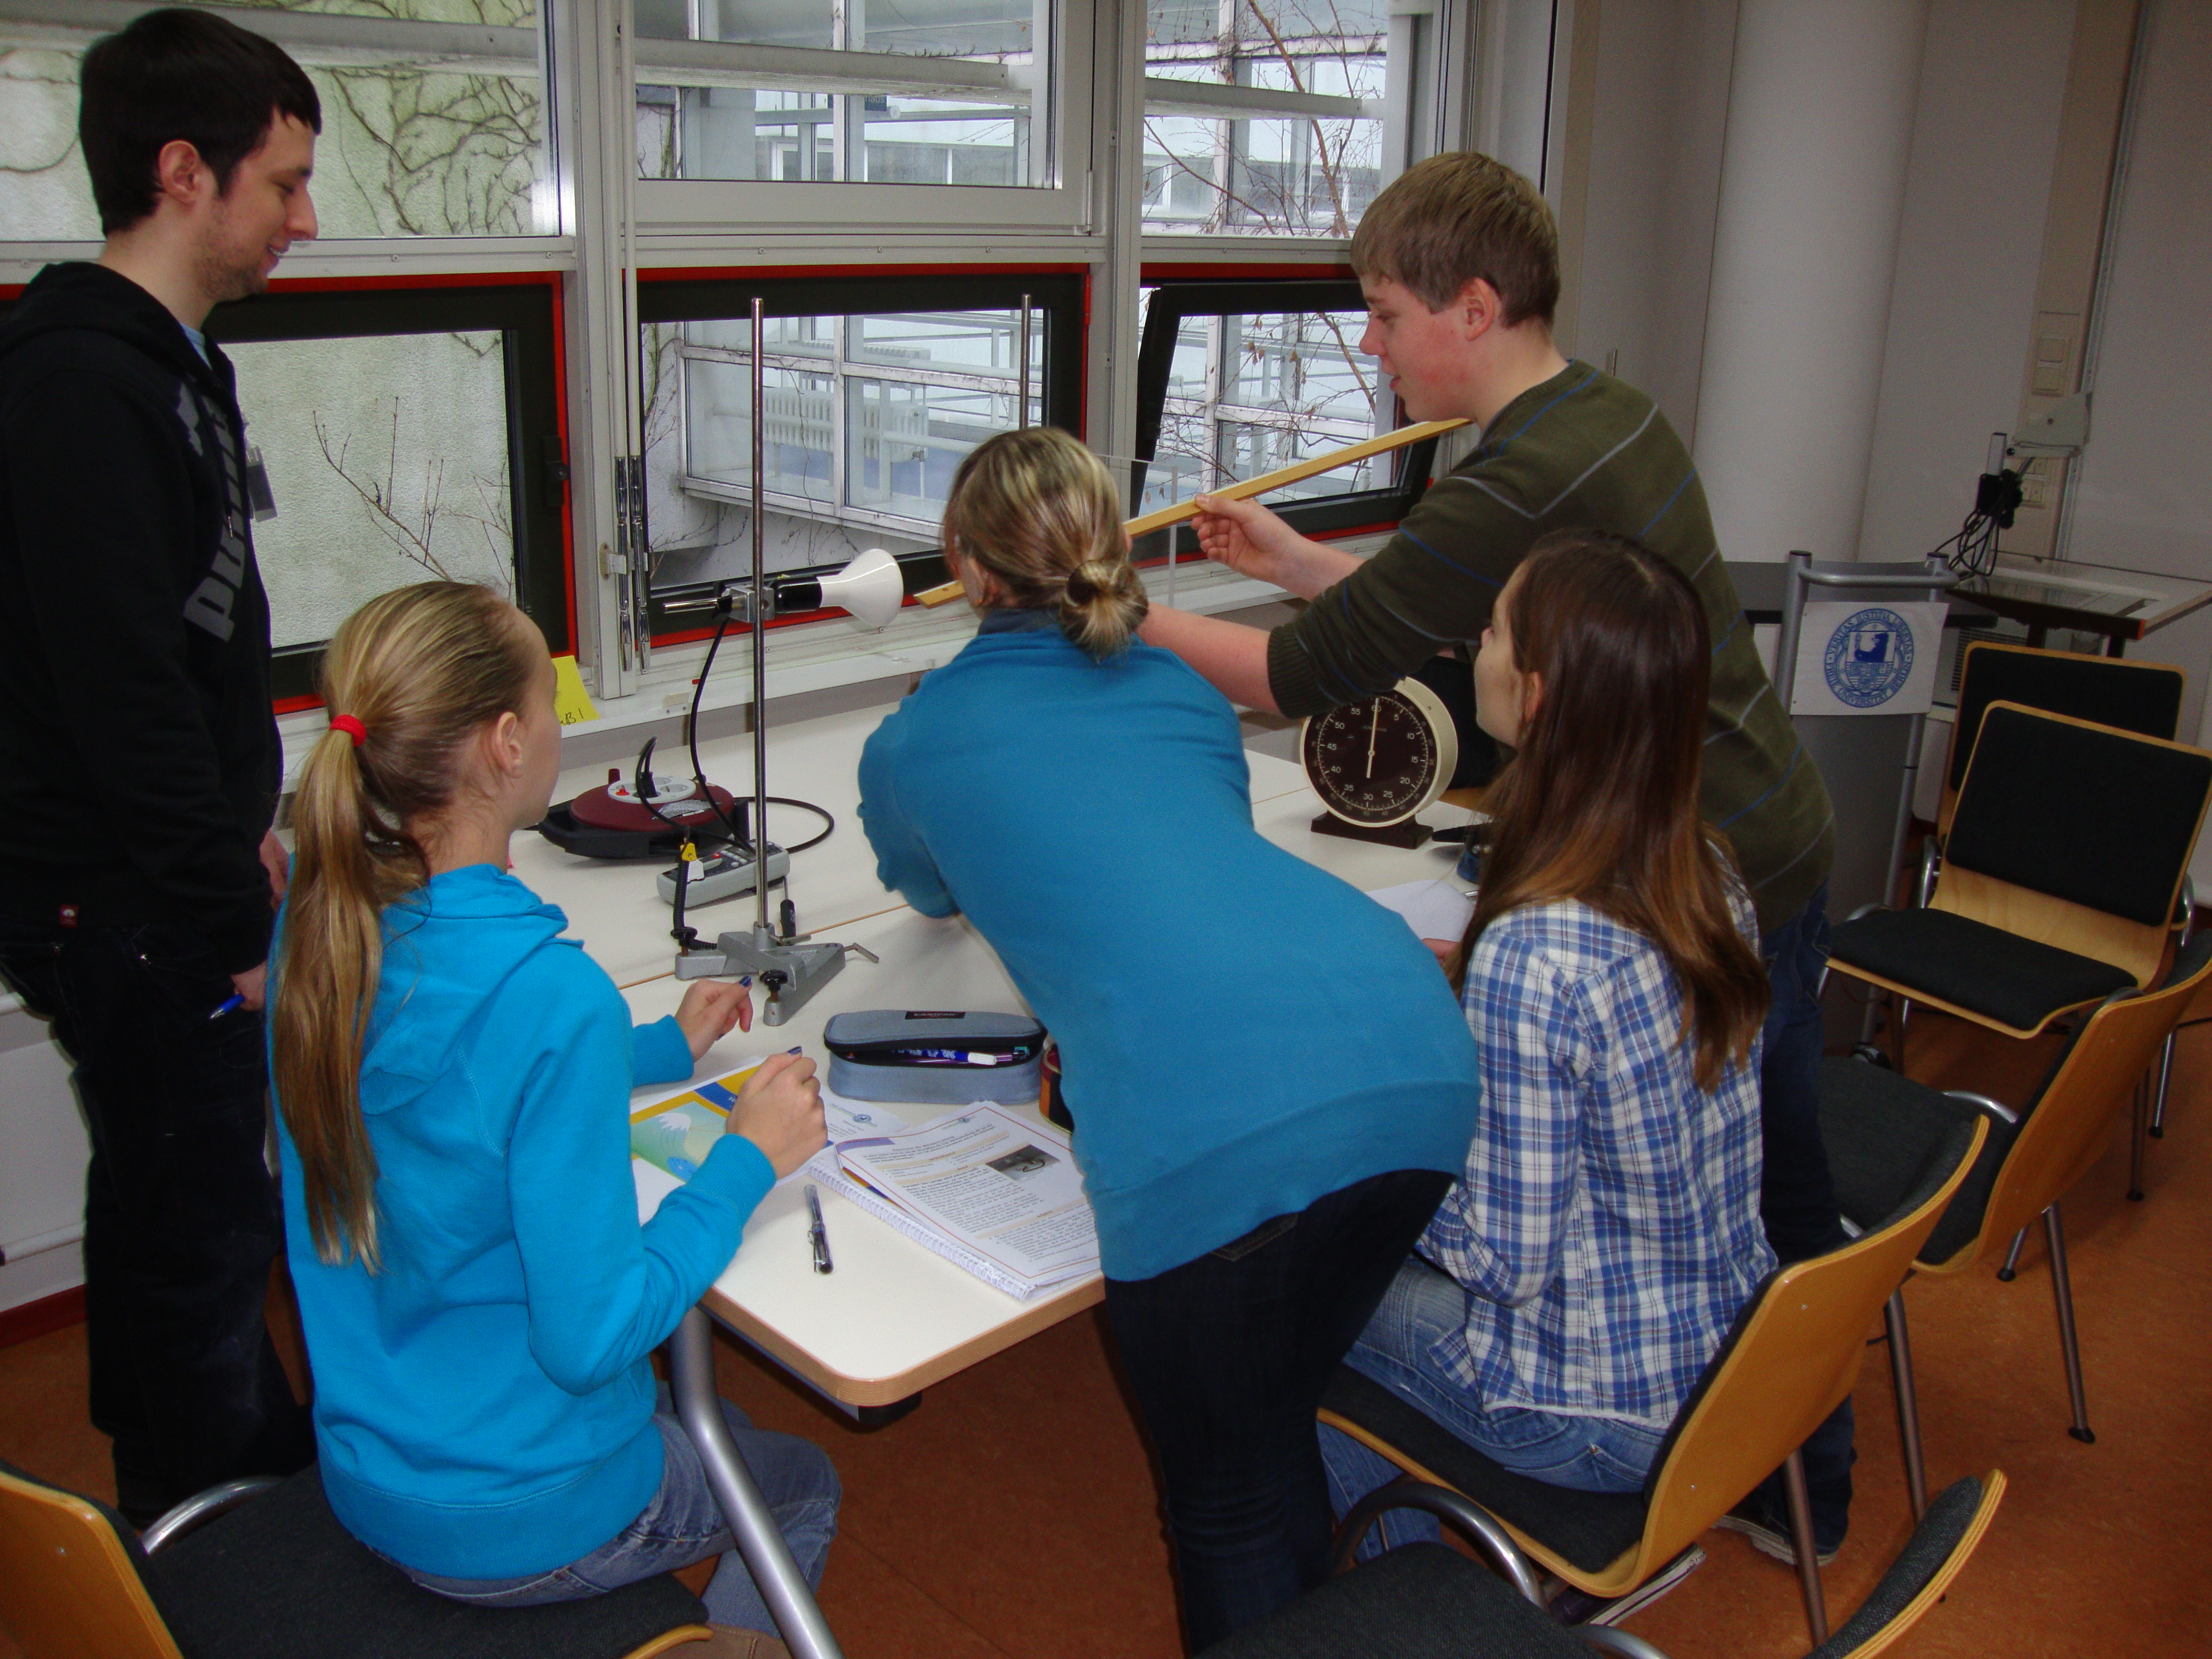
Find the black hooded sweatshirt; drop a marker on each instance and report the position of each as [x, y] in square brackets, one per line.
[139, 759]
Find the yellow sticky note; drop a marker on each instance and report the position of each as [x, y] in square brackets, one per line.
[570, 701]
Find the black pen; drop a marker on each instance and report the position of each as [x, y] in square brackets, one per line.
[818, 1234]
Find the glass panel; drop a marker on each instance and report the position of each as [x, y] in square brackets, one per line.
[861, 450]
[421, 138]
[1246, 394]
[906, 440]
[961, 115]
[387, 457]
[1309, 171]
[800, 442]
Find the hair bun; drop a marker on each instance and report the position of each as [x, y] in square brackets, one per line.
[1082, 588]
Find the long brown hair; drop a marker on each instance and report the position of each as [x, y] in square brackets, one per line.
[423, 670]
[1600, 803]
[1038, 510]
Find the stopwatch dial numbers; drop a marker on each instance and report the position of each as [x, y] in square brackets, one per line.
[1371, 761]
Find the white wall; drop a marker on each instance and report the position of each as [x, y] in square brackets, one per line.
[1661, 109]
[1992, 80]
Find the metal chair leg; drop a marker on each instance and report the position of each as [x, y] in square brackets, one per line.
[1802, 1546]
[1908, 1403]
[2061, 1290]
[2011, 1268]
[766, 1556]
[2165, 1082]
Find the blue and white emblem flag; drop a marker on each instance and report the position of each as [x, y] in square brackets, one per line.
[1867, 658]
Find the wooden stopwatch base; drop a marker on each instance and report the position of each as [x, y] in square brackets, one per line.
[1411, 832]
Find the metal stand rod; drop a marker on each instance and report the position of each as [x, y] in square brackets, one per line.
[1803, 1547]
[1022, 415]
[760, 1546]
[760, 622]
[1908, 1403]
[2061, 1291]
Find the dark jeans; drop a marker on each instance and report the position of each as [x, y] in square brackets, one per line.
[1798, 1198]
[181, 1219]
[1227, 1356]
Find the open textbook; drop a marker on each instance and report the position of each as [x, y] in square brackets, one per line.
[994, 1191]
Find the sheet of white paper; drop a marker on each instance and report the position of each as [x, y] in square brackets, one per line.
[1434, 909]
[846, 1120]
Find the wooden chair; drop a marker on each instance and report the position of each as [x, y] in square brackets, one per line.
[1425, 1601]
[2144, 697]
[1879, 1127]
[280, 1577]
[1792, 1358]
[2052, 898]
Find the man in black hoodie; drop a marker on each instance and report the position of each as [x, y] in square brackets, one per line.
[139, 760]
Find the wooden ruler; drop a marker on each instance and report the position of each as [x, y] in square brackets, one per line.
[1298, 472]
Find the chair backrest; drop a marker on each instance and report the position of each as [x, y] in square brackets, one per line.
[69, 1582]
[2135, 696]
[1924, 1570]
[2063, 1133]
[2075, 835]
[1792, 1358]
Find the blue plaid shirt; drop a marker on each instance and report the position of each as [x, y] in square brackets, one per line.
[1606, 1228]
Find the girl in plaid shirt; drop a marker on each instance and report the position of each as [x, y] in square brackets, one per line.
[1606, 1229]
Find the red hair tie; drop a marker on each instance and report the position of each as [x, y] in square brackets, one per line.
[352, 727]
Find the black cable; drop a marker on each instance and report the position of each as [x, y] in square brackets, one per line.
[723, 611]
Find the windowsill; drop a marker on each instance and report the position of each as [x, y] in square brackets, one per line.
[826, 656]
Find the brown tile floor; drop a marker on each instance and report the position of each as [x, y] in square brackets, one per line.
[1015, 1514]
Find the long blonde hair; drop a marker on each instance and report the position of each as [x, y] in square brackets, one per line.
[1038, 511]
[423, 670]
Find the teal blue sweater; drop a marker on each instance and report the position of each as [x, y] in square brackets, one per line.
[484, 1403]
[1242, 1032]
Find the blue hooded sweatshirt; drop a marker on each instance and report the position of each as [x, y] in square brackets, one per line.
[483, 1403]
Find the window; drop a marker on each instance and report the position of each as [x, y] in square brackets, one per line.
[919, 92]
[867, 412]
[1238, 378]
[434, 117]
[408, 434]
[1265, 117]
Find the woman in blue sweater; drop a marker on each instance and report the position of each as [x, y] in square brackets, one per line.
[1270, 1081]
[454, 1079]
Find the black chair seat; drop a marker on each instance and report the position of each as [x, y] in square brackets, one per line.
[2018, 982]
[1419, 1602]
[1590, 1529]
[1881, 1129]
[279, 1576]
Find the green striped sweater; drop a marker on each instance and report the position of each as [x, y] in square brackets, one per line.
[1580, 451]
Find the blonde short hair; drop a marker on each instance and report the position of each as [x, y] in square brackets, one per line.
[1456, 217]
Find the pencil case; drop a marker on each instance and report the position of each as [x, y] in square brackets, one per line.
[934, 1056]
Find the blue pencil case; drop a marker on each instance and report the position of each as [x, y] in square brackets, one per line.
[936, 1057]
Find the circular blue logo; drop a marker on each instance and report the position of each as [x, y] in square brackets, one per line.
[1870, 658]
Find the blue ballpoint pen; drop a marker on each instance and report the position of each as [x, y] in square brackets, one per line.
[816, 1234]
[234, 1001]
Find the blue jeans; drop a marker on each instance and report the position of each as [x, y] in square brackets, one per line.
[1226, 1357]
[682, 1524]
[1422, 1306]
[1798, 1198]
[180, 1217]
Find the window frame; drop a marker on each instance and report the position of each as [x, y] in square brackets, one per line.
[1230, 294]
[526, 312]
[1060, 296]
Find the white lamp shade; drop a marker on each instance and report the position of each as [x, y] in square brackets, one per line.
[870, 588]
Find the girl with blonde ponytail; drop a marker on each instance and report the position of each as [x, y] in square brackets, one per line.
[1269, 1079]
[453, 1083]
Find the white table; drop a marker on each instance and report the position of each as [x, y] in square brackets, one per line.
[893, 1318]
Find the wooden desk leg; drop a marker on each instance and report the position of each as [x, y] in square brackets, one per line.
[766, 1556]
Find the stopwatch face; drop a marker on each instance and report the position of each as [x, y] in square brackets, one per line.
[1378, 761]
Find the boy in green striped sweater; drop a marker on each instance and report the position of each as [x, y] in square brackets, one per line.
[1458, 259]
